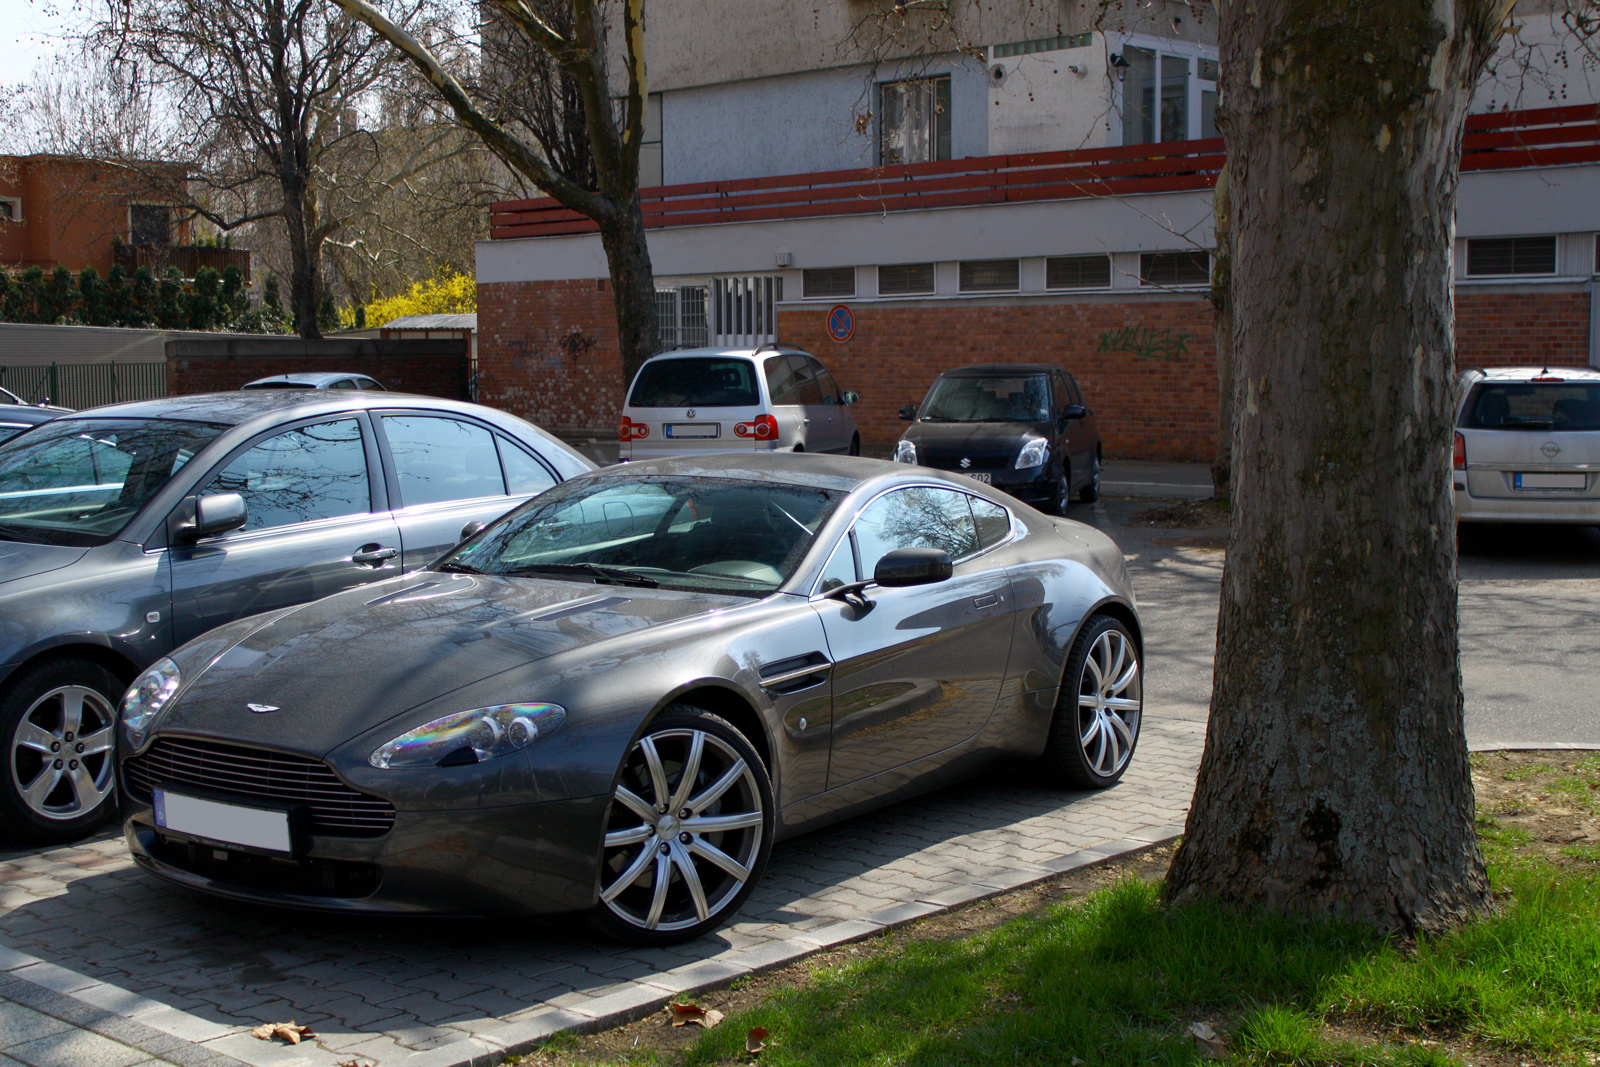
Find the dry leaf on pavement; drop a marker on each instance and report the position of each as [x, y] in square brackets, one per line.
[288, 1031]
[756, 1040]
[695, 1015]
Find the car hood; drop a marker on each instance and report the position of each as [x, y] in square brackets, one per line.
[346, 664]
[973, 438]
[21, 560]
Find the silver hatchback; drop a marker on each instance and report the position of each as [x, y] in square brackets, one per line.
[767, 399]
[1527, 446]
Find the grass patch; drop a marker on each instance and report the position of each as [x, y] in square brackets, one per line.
[1117, 978]
[1584, 792]
[1491, 834]
[1583, 852]
[1523, 773]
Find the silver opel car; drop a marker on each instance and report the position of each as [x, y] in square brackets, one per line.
[1527, 446]
[767, 399]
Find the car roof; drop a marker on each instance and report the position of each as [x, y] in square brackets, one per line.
[1523, 374]
[28, 413]
[841, 473]
[312, 378]
[742, 353]
[983, 370]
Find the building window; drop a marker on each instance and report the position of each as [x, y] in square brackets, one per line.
[650, 163]
[1077, 272]
[1042, 44]
[681, 317]
[1491, 256]
[1174, 268]
[914, 120]
[1167, 97]
[989, 275]
[829, 281]
[905, 278]
[150, 224]
[10, 209]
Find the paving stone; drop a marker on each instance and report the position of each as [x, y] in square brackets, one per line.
[77, 1048]
[20, 1024]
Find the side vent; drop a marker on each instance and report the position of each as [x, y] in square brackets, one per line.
[792, 675]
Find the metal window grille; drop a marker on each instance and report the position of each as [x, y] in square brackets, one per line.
[86, 385]
[744, 310]
[1077, 272]
[1511, 255]
[1175, 268]
[667, 318]
[830, 281]
[681, 317]
[905, 278]
[989, 275]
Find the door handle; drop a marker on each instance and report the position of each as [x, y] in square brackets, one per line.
[374, 554]
[986, 601]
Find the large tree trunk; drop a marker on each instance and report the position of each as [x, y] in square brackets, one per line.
[303, 262]
[633, 283]
[1222, 338]
[1335, 779]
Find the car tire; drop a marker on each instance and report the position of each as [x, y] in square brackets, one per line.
[58, 720]
[666, 876]
[1062, 497]
[855, 445]
[1096, 723]
[1091, 489]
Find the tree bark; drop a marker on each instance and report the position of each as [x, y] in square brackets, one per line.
[1335, 780]
[633, 284]
[1222, 337]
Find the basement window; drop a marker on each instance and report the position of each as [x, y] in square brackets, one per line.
[1077, 272]
[905, 279]
[989, 275]
[1175, 268]
[829, 282]
[1489, 257]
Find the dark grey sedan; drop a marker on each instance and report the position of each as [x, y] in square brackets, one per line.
[620, 695]
[129, 529]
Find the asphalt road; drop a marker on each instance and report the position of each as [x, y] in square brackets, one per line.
[1530, 621]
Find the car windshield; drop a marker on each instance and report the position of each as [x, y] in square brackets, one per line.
[1008, 398]
[707, 382]
[1553, 406]
[9, 430]
[80, 481]
[714, 535]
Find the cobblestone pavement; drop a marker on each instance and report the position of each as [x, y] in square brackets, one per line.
[103, 966]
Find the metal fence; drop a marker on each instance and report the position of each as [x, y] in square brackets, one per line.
[86, 385]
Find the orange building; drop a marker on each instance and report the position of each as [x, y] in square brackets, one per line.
[76, 213]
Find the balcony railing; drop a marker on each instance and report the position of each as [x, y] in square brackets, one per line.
[1537, 138]
[187, 258]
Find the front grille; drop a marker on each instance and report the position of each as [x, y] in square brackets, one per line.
[340, 879]
[979, 463]
[257, 774]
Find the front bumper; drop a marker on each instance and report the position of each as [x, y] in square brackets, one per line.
[520, 860]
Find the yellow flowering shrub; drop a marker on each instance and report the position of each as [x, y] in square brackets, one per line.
[445, 294]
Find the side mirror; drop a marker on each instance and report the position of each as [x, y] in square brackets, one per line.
[471, 528]
[217, 513]
[908, 412]
[1073, 411]
[852, 398]
[912, 566]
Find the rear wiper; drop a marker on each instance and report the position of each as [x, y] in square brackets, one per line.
[615, 575]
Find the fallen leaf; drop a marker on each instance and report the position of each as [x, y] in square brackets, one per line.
[288, 1031]
[756, 1040]
[1210, 1042]
[1076, 1062]
[695, 1015]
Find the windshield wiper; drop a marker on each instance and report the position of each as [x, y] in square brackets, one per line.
[455, 567]
[615, 575]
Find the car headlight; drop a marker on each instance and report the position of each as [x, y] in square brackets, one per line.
[905, 452]
[1036, 453]
[144, 699]
[471, 736]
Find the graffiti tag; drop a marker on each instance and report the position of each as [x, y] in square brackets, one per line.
[1145, 341]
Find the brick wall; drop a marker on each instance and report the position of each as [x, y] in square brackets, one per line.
[431, 368]
[548, 352]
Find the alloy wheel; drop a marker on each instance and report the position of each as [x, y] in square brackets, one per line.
[1109, 703]
[685, 832]
[61, 752]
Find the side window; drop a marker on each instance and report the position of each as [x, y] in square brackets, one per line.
[1072, 389]
[805, 376]
[313, 472]
[343, 383]
[782, 382]
[438, 459]
[524, 474]
[841, 568]
[916, 518]
[994, 523]
[830, 388]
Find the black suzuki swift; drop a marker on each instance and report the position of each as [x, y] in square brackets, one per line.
[1021, 427]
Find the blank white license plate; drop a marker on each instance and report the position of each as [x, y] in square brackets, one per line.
[692, 429]
[1550, 481]
[978, 476]
[228, 823]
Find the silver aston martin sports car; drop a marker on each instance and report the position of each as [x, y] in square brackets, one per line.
[620, 695]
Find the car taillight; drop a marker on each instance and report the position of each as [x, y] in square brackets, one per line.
[764, 428]
[1459, 460]
[631, 431]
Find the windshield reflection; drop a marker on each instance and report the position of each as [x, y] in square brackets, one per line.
[1007, 398]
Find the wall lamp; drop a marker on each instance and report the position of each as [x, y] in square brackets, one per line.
[1118, 64]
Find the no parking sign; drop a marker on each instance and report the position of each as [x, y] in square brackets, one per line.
[841, 323]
